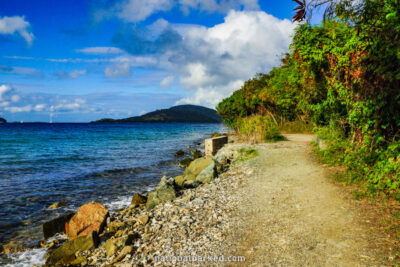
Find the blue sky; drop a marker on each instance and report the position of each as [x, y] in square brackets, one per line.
[81, 60]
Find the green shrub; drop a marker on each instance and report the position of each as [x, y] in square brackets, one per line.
[258, 129]
[342, 76]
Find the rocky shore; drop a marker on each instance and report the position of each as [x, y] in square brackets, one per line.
[185, 219]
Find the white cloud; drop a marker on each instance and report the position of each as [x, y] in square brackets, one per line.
[27, 108]
[20, 70]
[213, 62]
[218, 6]
[197, 75]
[211, 95]
[66, 105]
[76, 73]
[70, 75]
[3, 90]
[39, 107]
[15, 98]
[167, 81]
[16, 24]
[119, 70]
[4, 104]
[138, 10]
[100, 50]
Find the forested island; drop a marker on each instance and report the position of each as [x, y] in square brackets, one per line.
[181, 113]
[3, 120]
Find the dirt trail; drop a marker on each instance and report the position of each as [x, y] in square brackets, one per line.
[293, 215]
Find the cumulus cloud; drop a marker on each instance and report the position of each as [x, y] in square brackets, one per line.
[57, 107]
[217, 6]
[9, 98]
[70, 75]
[120, 70]
[15, 98]
[13, 101]
[66, 105]
[220, 58]
[4, 89]
[39, 107]
[211, 95]
[16, 24]
[100, 50]
[138, 10]
[213, 62]
[167, 81]
[27, 108]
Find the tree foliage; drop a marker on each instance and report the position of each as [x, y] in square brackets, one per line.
[344, 76]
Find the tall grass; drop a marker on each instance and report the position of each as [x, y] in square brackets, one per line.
[258, 129]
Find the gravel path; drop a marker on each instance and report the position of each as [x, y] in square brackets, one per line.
[279, 208]
[292, 215]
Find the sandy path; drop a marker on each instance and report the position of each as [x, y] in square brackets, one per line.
[292, 215]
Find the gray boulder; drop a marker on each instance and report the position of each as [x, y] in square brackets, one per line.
[165, 191]
[208, 174]
[65, 254]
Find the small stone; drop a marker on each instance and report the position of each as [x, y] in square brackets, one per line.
[179, 153]
[126, 250]
[196, 154]
[79, 261]
[143, 219]
[13, 246]
[115, 226]
[138, 199]
[58, 205]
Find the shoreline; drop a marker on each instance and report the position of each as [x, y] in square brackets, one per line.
[189, 228]
[271, 203]
[36, 252]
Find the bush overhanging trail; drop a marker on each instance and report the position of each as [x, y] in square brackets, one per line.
[343, 77]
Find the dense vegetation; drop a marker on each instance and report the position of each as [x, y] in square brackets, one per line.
[342, 76]
[181, 113]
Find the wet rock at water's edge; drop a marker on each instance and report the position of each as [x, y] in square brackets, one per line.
[165, 191]
[185, 162]
[179, 153]
[138, 199]
[65, 254]
[58, 205]
[56, 225]
[90, 217]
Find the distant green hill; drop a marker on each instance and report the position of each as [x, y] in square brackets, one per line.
[2, 120]
[182, 113]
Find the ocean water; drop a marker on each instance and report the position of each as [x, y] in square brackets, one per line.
[41, 164]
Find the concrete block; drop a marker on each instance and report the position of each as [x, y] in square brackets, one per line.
[212, 145]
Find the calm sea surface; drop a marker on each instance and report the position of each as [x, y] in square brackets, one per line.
[41, 164]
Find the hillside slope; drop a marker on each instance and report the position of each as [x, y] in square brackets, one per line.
[182, 113]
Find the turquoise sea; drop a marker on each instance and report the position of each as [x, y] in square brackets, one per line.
[41, 164]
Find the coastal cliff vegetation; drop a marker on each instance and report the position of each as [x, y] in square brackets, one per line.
[342, 80]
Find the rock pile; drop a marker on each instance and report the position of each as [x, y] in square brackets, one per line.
[183, 216]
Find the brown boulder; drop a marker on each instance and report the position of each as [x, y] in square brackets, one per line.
[138, 199]
[90, 217]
